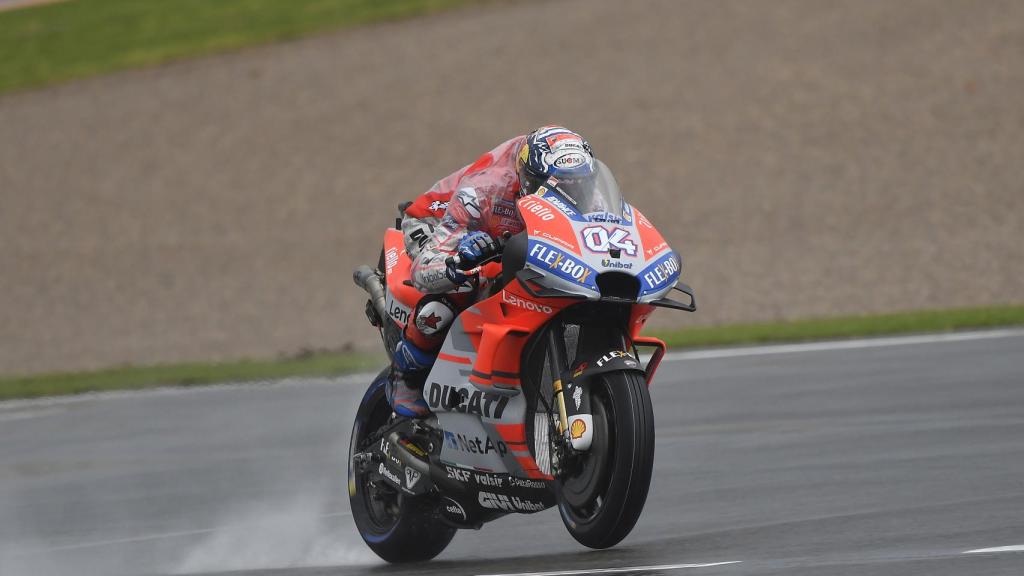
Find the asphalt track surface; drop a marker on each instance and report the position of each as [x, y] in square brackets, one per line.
[891, 457]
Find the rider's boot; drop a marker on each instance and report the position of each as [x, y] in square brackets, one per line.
[409, 369]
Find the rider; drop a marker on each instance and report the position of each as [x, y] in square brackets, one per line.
[462, 214]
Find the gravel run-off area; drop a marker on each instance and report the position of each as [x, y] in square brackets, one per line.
[806, 158]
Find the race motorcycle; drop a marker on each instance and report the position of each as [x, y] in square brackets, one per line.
[539, 397]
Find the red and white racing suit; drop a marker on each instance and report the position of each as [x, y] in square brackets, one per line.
[481, 196]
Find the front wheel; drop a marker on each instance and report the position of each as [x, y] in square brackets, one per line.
[397, 527]
[601, 499]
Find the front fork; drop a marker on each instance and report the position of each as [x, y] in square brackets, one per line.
[575, 422]
[557, 364]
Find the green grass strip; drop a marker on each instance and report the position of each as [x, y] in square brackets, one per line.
[336, 363]
[51, 43]
[926, 321]
[192, 374]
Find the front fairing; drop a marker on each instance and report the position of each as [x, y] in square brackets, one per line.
[574, 252]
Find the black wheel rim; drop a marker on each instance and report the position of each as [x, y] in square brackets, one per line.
[584, 488]
[382, 504]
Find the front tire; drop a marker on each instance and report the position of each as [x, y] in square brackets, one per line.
[602, 499]
[397, 527]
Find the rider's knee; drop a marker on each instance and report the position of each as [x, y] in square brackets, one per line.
[430, 322]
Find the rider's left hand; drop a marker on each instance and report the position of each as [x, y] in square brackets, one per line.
[475, 248]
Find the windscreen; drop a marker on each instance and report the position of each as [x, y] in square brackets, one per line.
[597, 192]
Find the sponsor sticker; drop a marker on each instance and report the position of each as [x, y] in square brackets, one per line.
[516, 482]
[452, 399]
[488, 480]
[474, 444]
[457, 473]
[399, 312]
[608, 263]
[505, 208]
[571, 160]
[577, 396]
[390, 259]
[538, 208]
[552, 237]
[411, 447]
[525, 304]
[561, 264]
[577, 428]
[387, 473]
[469, 200]
[453, 509]
[411, 477]
[579, 370]
[661, 273]
[556, 200]
[508, 503]
[611, 356]
[657, 249]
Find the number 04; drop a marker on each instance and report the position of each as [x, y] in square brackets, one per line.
[598, 239]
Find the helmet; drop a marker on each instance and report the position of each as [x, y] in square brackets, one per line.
[553, 151]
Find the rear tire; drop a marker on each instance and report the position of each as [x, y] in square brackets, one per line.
[397, 527]
[602, 502]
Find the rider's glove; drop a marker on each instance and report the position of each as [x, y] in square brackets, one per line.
[475, 248]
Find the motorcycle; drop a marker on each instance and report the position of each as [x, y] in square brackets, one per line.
[539, 396]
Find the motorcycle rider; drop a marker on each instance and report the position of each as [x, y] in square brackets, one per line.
[463, 214]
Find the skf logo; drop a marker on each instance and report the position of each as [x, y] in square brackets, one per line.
[577, 429]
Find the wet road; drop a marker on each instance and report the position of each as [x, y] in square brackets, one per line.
[872, 458]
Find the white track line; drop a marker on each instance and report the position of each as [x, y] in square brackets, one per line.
[843, 345]
[1018, 548]
[617, 570]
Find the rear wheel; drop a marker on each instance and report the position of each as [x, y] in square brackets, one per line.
[397, 527]
[601, 498]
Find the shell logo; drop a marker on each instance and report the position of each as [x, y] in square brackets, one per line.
[577, 428]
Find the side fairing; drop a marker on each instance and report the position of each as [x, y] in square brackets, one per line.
[400, 298]
[474, 386]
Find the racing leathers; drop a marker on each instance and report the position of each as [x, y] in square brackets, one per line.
[480, 197]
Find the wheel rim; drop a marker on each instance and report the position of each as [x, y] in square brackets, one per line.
[583, 490]
[382, 504]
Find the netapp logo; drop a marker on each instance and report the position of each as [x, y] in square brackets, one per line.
[474, 445]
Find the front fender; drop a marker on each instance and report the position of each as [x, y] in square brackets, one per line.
[576, 393]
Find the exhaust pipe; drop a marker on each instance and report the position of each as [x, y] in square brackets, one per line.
[368, 279]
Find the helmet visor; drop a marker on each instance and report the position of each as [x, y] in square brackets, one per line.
[594, 193]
